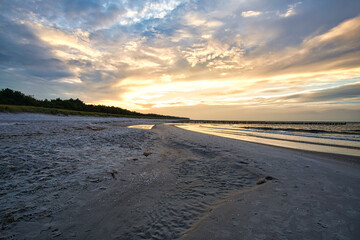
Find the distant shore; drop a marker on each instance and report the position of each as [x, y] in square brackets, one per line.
[94, 178]
[263, 122]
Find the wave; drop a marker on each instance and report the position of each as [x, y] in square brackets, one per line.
[300, 133]
[332, 139]
[297, 141]
[351, 132]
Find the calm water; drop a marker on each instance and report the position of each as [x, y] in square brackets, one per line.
[342, 139]
[142, 126]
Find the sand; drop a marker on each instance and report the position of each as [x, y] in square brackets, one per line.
[94, 178]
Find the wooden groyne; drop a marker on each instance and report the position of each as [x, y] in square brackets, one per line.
[260, 122]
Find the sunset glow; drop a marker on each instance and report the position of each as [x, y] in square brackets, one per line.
[238, 60]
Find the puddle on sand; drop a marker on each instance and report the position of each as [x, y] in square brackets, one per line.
[142, 126]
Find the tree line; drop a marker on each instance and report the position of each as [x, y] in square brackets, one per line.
[11, 97]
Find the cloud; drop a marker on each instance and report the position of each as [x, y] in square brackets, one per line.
[23, 52]
[153, 54]
[90, 15]
[338, 48]
[290, 11]
[342, 93]
[196, 20]
[250, 14]
[213, 54]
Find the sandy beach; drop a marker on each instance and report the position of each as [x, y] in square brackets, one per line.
[95, 178]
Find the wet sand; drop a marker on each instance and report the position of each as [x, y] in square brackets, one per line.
[97, 179]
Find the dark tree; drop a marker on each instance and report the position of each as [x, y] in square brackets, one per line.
[10, 97]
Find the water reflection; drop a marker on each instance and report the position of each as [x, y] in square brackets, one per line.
[142, 126]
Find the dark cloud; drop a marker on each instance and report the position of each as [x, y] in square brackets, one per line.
[343, 93]
[80, 63]
[101, 77]
[20, 49]
[74, 7]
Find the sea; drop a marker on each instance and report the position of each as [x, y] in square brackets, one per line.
[330, 137]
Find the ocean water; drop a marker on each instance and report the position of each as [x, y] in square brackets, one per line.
[321, 137]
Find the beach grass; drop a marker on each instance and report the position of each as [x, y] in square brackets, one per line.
[58, 111]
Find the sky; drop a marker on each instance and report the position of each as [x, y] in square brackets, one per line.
[203, 59]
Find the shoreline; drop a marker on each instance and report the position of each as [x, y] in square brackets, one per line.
[302, 145]
[104, 181]
[330, 156]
